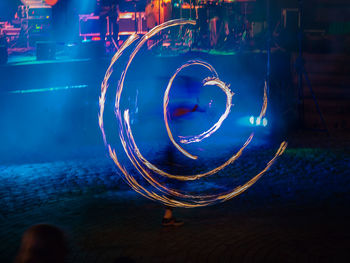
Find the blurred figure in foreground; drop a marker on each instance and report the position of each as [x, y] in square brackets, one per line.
[42, 243]
[184, 104]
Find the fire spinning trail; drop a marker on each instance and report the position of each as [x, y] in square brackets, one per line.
[166, 195]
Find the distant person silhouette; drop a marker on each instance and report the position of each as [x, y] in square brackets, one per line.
[184, 104]
[42, 243]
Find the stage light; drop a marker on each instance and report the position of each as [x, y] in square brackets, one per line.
[264, 122]
[51, 2]
[258, 121]
[255, 121]
[251, 120]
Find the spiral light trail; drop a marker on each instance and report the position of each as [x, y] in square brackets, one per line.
[161, 193]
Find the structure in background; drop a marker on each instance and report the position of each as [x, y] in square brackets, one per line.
[92, 28]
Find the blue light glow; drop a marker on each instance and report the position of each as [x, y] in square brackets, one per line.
[264, 122]
[49, 89]
[258, 121]
[251, 120]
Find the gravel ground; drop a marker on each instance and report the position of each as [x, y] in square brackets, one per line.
[297, 212]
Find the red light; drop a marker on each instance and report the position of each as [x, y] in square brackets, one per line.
[51, 2]
[96, 39]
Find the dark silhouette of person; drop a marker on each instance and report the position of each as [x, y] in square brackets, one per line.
[42, 243]
[183, 107]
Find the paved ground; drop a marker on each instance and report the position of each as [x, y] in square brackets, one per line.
[298, 212]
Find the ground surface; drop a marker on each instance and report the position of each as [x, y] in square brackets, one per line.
[298, 212]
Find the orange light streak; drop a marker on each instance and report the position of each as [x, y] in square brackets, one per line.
[167, 196]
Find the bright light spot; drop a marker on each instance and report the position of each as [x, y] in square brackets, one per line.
[258, 121]
[251, 119]
[126, 15]
[264, 122]
[49, 89]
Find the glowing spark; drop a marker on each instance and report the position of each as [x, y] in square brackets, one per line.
[217, 125]
[168, 196]
[166, 101]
